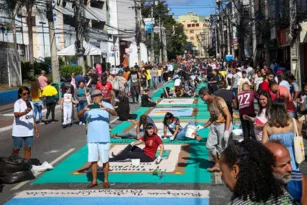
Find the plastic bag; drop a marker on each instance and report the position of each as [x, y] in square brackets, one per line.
[12, 178]
[14, 164]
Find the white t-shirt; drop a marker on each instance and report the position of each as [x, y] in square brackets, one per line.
[177, 82]
[170, 67]
[23, 126]
[67, 98]
[285, 83]
[236, 77]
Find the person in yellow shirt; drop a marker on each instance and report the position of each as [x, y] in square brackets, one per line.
[160, 74]
[36, 97]
[50, 93]
[148, 77]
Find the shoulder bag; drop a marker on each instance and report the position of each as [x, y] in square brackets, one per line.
[299, 149]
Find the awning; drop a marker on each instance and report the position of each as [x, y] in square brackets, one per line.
[90, 50]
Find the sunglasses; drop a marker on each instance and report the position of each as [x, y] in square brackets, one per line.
[24, 94]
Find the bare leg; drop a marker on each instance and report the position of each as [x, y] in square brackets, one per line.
[94, 173]
[27, 155]
[106, 174]
[15, 152]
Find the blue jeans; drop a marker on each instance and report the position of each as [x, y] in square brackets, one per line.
[181, 134]
[27, 141]
[81, 105]
[38, 107]
[154, 81]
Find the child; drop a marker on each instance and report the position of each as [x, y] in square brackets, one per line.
[66, 105]
[146, 100]
[243, 80]
[167, 93]
[123, 109]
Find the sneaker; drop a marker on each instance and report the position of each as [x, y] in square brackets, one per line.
[80, 123]
[83, 123]
[172, 138]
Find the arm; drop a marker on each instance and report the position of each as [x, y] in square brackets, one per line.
[265, 134]
[165, 131]
[296, 95]
[226, 113]
[81, 113]
[177, 130]
[161, 150]
[19, 114]
[137, 129]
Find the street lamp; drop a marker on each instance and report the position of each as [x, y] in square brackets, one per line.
[43, 23]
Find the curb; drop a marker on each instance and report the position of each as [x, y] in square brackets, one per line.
[3, 129]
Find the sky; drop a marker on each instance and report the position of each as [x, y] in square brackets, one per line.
[200, 7]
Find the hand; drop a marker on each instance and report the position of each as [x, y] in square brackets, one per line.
[132, 143]
[138, 136]
[28, 110]
[87, 108]
[76, 101]
[36, 132]
[158, 160]
[226, 135]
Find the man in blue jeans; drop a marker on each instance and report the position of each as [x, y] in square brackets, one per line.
[98, 135]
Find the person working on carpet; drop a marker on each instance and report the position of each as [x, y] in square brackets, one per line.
[148, 154]
[172, 124]
[139, 130]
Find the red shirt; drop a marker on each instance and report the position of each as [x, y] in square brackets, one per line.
[265, 85]
[246, 102]
[151, 146]
[284, 93]
[105, 89]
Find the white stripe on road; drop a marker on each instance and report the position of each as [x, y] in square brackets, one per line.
[3, 129]
[160, 87]
[114, 120]
[21, 184]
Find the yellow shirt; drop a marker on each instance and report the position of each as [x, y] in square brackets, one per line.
[223, 73]
[148, 74]
[49, 90]
[38, 98]
[159, 72]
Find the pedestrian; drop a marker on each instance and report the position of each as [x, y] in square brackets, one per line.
[98, 135]
[67, 106]
[134, 85]
[24, 124]
[236, 76]
[247, 172]
[36, 98]
[214, 80]
[245, 102]
[225, 94]
[220, 125]
[42, 79]
[122, 108]
[73, 80]
[148, 154]
[79, 78]
[243, 80]
[283, 172]
[160, 74]
[81, 98]
[294, 88]
[105, 87]
[50, 94]
[148, 77]
[154, 77]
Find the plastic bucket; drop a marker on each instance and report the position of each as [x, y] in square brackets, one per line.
[191, 132]
[135, 162]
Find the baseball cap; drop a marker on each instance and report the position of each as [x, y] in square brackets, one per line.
[96, 92]
[278, 72]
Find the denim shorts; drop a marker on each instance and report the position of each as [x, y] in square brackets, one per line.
[17, 142]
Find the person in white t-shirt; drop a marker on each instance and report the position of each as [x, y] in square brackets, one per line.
[24, 124]
[66, 106]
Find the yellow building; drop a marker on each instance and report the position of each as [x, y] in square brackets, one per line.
[196, 29]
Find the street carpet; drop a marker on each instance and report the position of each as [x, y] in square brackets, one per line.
[183, 161]
[111, 196]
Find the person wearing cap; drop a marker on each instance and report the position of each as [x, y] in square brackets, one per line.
[98, 135]
[42, 79]
[119, 83]
[236, 76]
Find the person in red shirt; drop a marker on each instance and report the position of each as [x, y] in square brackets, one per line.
[245, 101]
[105, 87]
[283, 93]
[148, 154]
[265, 85]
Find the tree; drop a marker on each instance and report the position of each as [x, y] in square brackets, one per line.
[175, 36]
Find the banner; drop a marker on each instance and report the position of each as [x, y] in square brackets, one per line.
[149, 24]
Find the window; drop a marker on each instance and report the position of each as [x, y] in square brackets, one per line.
[192, 31]
[197, 24]
[193, 25]
[33, 20]
[192, 38]
[189, 25]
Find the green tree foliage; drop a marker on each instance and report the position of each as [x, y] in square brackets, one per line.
[175, 36]
[68, 69]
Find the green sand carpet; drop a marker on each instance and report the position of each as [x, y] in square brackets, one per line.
[194, 166]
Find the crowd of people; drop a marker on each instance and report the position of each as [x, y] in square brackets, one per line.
[261, 169]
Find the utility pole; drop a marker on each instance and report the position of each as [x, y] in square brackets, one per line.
[252, 6]
[160, 41]
[152, 58]
[267, 40]
[138, 31]
[164, 44]
[53, 50]
[294, 47]
[79, 14]
[43, 31]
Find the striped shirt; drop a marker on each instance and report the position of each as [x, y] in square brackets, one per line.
[284, 199]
